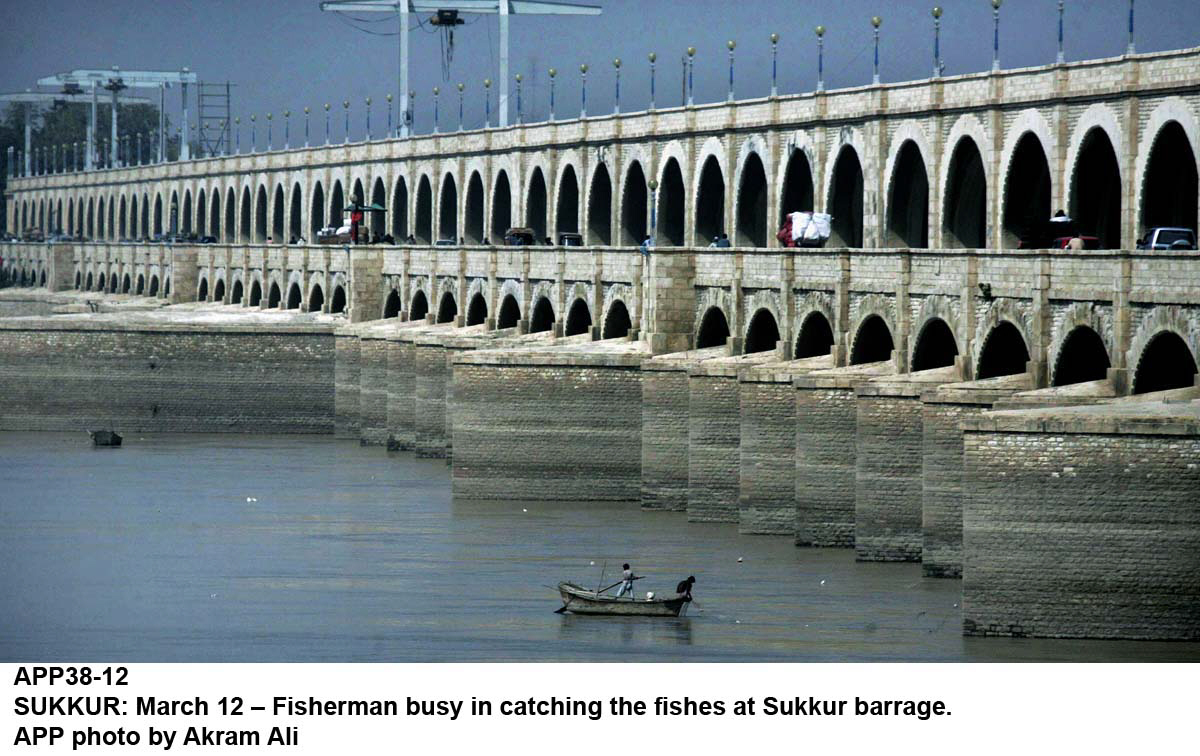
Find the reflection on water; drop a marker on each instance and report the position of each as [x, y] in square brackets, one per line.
[239, 548]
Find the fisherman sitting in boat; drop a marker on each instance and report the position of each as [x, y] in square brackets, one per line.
[627, 578]
[684, 589]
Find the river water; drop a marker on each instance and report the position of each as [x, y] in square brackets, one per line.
[245, 548]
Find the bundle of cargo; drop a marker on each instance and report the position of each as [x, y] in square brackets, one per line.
[805, 229]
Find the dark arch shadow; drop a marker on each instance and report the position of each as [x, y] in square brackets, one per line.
[400, 210]
[1004, 352]
[153, 286]
[447, 308]
[473, 210]
[273, 296]
[477, 311]
[763, 332]
[1166, 363]
[294, 297]
[714, 329]
[1169, 189]
[338, 305]
[542, 318]
[600, 207]
[846, 200]
[1081, 358]
[448, 210]
[391, 306]
[1026, 192]
[710, 202]
[617, 323]
[1096, 190]
[752, 204]
[501, 208]
[316, 299]
[235, 296]
[510, 313]
[255, 294]
[418, 309]
[671, 198]
[219, 291]
[965, 213]
[815, 338]
[566, 212]
[535, 205]
[579, 319]
[872, 343]
[633, 206]
[908, 199]
[424, 231]
[936, 346]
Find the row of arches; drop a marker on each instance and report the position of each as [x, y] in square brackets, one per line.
[542, 317]
[609, 209]
[1166, 361]
[139, 284]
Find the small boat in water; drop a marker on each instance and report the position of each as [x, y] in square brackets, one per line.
[579, 600]
[105, 438]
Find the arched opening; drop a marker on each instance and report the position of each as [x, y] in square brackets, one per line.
[100, 213]
[908, 199]
[510, 312]
[815, 338]
[295, 216]
[338, 305]
[566, 214]
[219, 291]
[501, 208]
[763, 333]
[357, 194]
[186, 227]
[71, 215]
[477, 310]
[535, 205]
[246, 229]
[153, 286]
[617, 323]
[579, 318]
[424, 232]
[633, 206]
[542, 318]
[419, 307]
[230, 216]
[752, 204]
[600, 207]
[391, 305]
[140, 289]
[710, 202]
[79, 281]
[671, 201]
[112, 283]
[447, 308]
[965, 214]
[202, 294]
[214, 216]
[134, 218]
[400, 210]
[337, 205]
[1166, 363]
[473, 211]
[378, 220]
[273, 296]
[87, 286]
[277, 220]
[316, 299]
[42, 279]
[121, 216]
[91, 219]
[256, 294]
[1004, 353]
[294, 297]
[235, 296]
[714, 329]
[797, 186]
[167, 287]
[448, 210]
[99, 283]
[1096, 190]
[872, 343]
[1169, 187]
[317, 213]
[201, 213]
[1081, 358]
[126, 284]
[1026, 192]
[846, 200]
[935, 347]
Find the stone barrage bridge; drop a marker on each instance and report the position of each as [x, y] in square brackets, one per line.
[1027, 420]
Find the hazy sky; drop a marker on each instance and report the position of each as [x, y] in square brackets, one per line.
[288, 54]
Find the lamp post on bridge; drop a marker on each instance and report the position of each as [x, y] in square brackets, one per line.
[617, 96]
[237, 136]
[270, 140]
[583, 68]
[553, 72]
[138, 141]
[389, 126]
[368, 119]
[876, 21]
[820, 30]
[652, 58]
[287, 129]
[654, 210]
[410, 117]
[436, 92]
[691, 59]
[253, 133]
[774, 64]
[460, 105]
[326, 123]
[520, 118]
[731, 44]
[487, 103]
[346, 122]
[1062, 58]
[1131, 49]
[996, 34]
[937, 40]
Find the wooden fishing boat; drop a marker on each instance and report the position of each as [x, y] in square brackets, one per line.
[105, 438]
[579, 600]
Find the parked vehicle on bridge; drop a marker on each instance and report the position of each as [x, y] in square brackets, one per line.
[518, 237]
[445, 243]
[570, 240]
[1167, 237]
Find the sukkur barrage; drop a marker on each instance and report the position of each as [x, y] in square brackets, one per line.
[811, 706]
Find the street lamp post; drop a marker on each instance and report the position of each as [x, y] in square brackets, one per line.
[820, 30]
[617, 97]
[996, 34]
[389, 122]
[287, 129]
[520, 118]
[436, 92]
[326, 123]
[368, 119]
[270, 135]
[731, 44]
[1131, 49]
[346, 126]
[306, 125]
[937, 41]
[691, 59]
[487, 103]
[1062, 58]
[253, 134]
[774, 64]
[583, 68]
[654, 210]
[460, 105]
[652, 57]
[876, 21]
[553, 73]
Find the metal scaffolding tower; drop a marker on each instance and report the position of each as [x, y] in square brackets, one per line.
[213, 108]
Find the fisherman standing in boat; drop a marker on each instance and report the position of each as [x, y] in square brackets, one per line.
[684, 589]
[627, 578]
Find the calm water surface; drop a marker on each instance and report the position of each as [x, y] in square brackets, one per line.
[153, 553]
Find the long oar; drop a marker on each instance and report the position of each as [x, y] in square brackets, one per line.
[614, 585]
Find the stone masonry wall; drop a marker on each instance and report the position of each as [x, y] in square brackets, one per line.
[76, 374]
[714, 433]
[372, 391]
[566, 429]
[767, 458]
[429, 419]
[401, 393]
[665, 439]
[1082, 534]
[346, 385]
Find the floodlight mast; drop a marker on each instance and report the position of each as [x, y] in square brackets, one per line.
[29, 98]
[504, 8]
